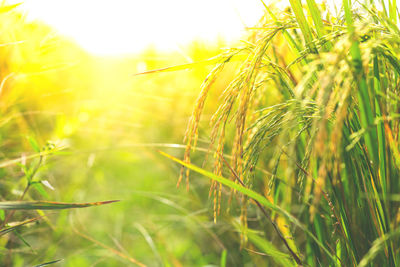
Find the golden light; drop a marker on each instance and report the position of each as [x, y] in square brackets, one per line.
[128, 26]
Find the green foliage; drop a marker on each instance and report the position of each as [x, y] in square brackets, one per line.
[75, 129]
[313, 133]
[303, 142]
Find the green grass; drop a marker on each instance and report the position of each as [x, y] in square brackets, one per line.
[296, 129]
[77, 129]
[321, 124]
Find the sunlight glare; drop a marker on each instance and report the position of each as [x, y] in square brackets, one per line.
[128, 26]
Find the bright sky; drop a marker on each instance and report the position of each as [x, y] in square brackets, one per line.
[127, 26]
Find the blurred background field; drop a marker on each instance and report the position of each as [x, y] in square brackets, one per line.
[110, 125]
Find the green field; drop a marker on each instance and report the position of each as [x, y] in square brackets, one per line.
[285, 146]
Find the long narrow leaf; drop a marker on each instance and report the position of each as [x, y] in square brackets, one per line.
[48, 263]
[12, 228]
[253, 195]
[303, 24]
[11, 162]
[47, 205]
[210, 61]
[267, 247]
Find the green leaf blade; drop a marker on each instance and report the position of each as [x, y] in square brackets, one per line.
[48, 205]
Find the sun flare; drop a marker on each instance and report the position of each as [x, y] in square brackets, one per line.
[128, 26]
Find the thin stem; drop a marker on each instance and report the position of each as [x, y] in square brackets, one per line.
[294, 255]
[25, 190]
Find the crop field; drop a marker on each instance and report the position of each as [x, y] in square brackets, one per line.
[278, 149]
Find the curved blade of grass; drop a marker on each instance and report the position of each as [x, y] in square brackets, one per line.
[47, 205]
[116, 252]
[149, 241]
[187, 214]
[253, 195]
[267, 247]
[11, 162]
[48, 263]
[24, 241]
[377, 246]
[12, 228]
[210, 61]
